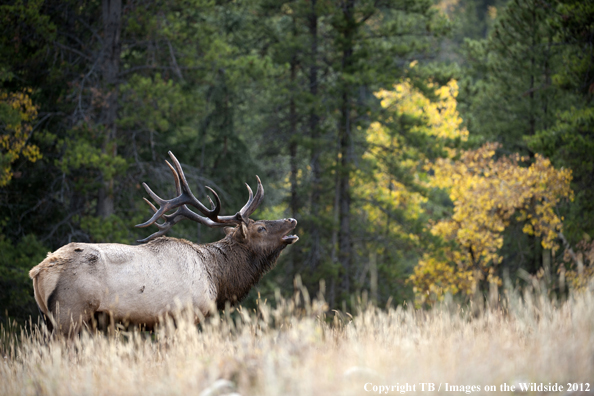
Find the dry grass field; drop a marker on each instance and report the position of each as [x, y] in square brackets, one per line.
[291, 348]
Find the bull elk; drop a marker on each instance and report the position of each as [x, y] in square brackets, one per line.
[140, 284]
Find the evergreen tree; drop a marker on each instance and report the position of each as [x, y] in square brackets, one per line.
[112, 95]
[569, 140]
[333, 55]
[513, 98]
[514, 95]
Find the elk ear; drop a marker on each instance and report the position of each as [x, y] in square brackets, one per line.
[241, 232]
[229, 230]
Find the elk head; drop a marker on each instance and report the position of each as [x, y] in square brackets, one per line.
[265, 235]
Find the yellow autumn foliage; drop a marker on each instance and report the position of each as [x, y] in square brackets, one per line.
[16, 117]
[441, 117]
[487, 194]
[383, 191]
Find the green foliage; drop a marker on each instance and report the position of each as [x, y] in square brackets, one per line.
[285, 89]
[573, 23]
[569, 140]
[528, 90]
[569, 143]
[151, 103]
[16, 289]
[327, 60]
[112, 229]
[87, 155]
[515, 64]
[26, 32]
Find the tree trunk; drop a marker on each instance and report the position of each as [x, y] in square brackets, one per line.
[293, 135]
[344, 206]
[316, 172]
[373, 276]
[112, 13]
[532, 73]
[295, 257]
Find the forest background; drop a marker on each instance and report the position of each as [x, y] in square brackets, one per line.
[425, 147]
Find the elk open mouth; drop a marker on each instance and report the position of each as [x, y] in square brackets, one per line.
[289, 239]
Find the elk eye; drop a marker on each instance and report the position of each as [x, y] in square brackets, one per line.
[260, 229]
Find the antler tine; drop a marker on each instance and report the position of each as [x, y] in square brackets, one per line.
[181, 213]
[216, 208]
[211, 214]
[251, 197]
[163, 228]
[242, 211]
[164, 207]
[184, 198]
[150, 204]
[178, 169]
[162, 231]
[245, 212]
[253, 202]
[175, 177]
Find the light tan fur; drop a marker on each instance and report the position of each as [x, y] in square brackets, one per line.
[45, 277]
[135, 284]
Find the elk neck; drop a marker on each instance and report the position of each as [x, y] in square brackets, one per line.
[235, 267]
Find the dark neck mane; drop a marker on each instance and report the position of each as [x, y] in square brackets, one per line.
[234, 268]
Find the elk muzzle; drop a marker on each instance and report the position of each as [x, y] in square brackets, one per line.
[290, 239]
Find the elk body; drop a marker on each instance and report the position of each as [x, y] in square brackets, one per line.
[140, 284]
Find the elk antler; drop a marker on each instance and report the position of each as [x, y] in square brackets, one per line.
[185, 197]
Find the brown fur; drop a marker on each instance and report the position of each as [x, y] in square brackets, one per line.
[233, 282]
